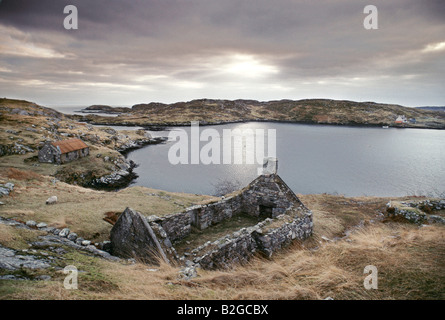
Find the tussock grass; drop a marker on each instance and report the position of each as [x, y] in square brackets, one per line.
[410, 259]
[18, 239]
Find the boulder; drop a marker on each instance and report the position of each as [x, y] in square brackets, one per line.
[10, 186]
[12, 260]
[31, 223]
[42, 225]
[64, 233]
[72, 236]
[6, 188]
[436, 219]
[132, 237]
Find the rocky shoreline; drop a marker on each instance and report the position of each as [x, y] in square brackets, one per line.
[150, 125]
[124, 175]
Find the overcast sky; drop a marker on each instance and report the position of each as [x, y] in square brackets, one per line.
[128, 52]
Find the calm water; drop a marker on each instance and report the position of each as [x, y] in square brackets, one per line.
[316, 159]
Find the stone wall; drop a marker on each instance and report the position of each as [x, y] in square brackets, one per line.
[49, 154]
[265, 238]
[74, 155]
[208, 215]
[228, 251]
[282, 236]
[177, 226]
[285, 219]
[266, 196]
[416, 211]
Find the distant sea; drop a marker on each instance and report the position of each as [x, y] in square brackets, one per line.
[76, 109]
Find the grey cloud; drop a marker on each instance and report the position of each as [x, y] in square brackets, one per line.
[121, 42]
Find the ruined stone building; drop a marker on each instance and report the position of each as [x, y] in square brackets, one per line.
[63, 151]
[279, 218]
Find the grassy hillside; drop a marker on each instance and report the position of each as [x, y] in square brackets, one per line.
[81, 209]
[25, 126]
[410, 259]
[317, 111]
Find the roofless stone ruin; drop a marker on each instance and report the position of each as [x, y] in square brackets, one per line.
[262, 218]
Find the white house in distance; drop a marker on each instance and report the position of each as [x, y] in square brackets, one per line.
[401, 119]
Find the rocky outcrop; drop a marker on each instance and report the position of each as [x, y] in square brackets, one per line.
[15, 148]
[6, 189]
[45, 252]
[11, 259]
[416, 211]
[139, 143]
[120, 178]
[57, 237]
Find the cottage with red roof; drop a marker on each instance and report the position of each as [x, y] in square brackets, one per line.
[63, 151]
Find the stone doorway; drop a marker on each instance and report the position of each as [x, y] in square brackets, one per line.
[265, 211]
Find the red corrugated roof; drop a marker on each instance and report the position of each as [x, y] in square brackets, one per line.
[70, 145]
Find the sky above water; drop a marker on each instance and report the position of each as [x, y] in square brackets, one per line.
[138, 51]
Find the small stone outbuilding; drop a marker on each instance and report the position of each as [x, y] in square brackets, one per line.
[63, 151]
[281, 217]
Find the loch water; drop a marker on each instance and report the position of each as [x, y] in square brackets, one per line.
[353, 161]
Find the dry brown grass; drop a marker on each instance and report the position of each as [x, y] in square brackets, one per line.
[410, 262]
[21, 175]
[6, 234]
[82, 210]
[17, 238]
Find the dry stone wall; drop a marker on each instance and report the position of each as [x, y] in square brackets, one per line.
[176, 226]
[283, 219]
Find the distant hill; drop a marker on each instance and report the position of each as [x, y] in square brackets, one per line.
[442, 109]
[310, 111]
[105, 109]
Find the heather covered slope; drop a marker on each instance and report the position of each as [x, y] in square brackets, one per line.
[25, 126]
